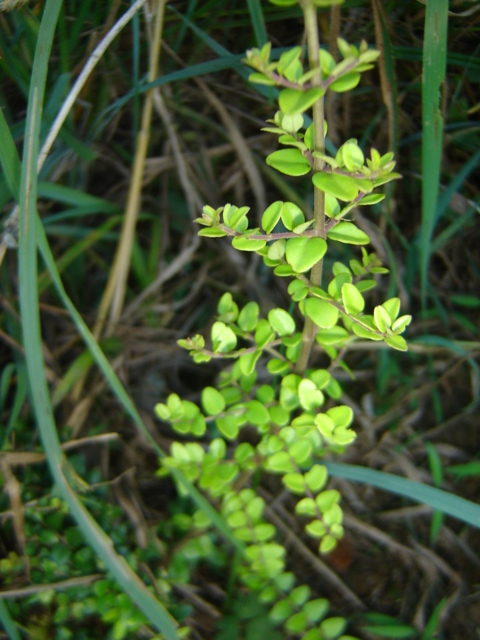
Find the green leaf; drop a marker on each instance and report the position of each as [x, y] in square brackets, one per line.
[332, 208]
[289, 61]
[316, 529]
[296, 623]
[301, 450]
[280, 463]
[326, 545]
[281, 322]
[245, 534]
[315, 610]
[244, 455]
[469, 302]
[227, 309]
[322, 313]
[293, 101]
[343, 436]
[333, 627]
[365, 285]
[162, 411]
[264, 531]
[327, 3]
[212, 232]
[257, 413]
[373, 198]
[336, 185]
[346, 82]
[237, 519]
[244, 243]
[279, 415]
[260, 78]
[271, 216]
[348, 233]
[464, 510]
[303, 253]
[276, 366]
[247, 361]
[223, 338]
[235, 217]
[284, 271]
[298, 290]
[321, 378]
[282, 609]
[401, 324]
[392, 632]
[327, 499]
[231, 394]
[217, 448]
[352, 155]
[300, 595]
[306, 507]
[301, 228]
[248, 317]
[292, 215]
[310, 397]
[352, 299]
[342, 415]
[263, 333]
[212, 401]
[294, 482]
[276, 251]
[289, 161]
[392, 307]
[396, 342]
[369, 332]
[334, 336]
[382, 319]
[316, 478]
[254, 505]
[466, 470]
[292, 124]
[335, 286]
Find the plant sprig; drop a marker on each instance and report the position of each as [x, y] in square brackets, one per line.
[296, 414]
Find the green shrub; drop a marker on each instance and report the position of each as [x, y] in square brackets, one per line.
[294, 409]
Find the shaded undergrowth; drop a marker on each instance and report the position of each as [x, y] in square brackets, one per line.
[416, 413]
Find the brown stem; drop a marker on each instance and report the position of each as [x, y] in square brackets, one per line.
[313, 46]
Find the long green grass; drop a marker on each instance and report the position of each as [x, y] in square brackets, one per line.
[29, 226]
[433, 74]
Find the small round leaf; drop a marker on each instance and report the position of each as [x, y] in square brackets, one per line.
[352, 299]
[289, 161]
[281, 322]
[212, 401]
[303, 253]
[322, 313]
[271, 216]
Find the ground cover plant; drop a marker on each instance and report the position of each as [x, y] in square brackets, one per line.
[125, 543]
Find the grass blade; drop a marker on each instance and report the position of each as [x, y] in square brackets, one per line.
[258, 22]
[32, 340]
[8, 155]
[9, 160]
[434, 69]
[455, 184]
[448, 503]
[7, 622]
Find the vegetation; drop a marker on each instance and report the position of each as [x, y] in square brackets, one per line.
[273, 497]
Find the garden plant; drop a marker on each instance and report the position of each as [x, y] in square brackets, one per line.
[276, 386]
[215, 510]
